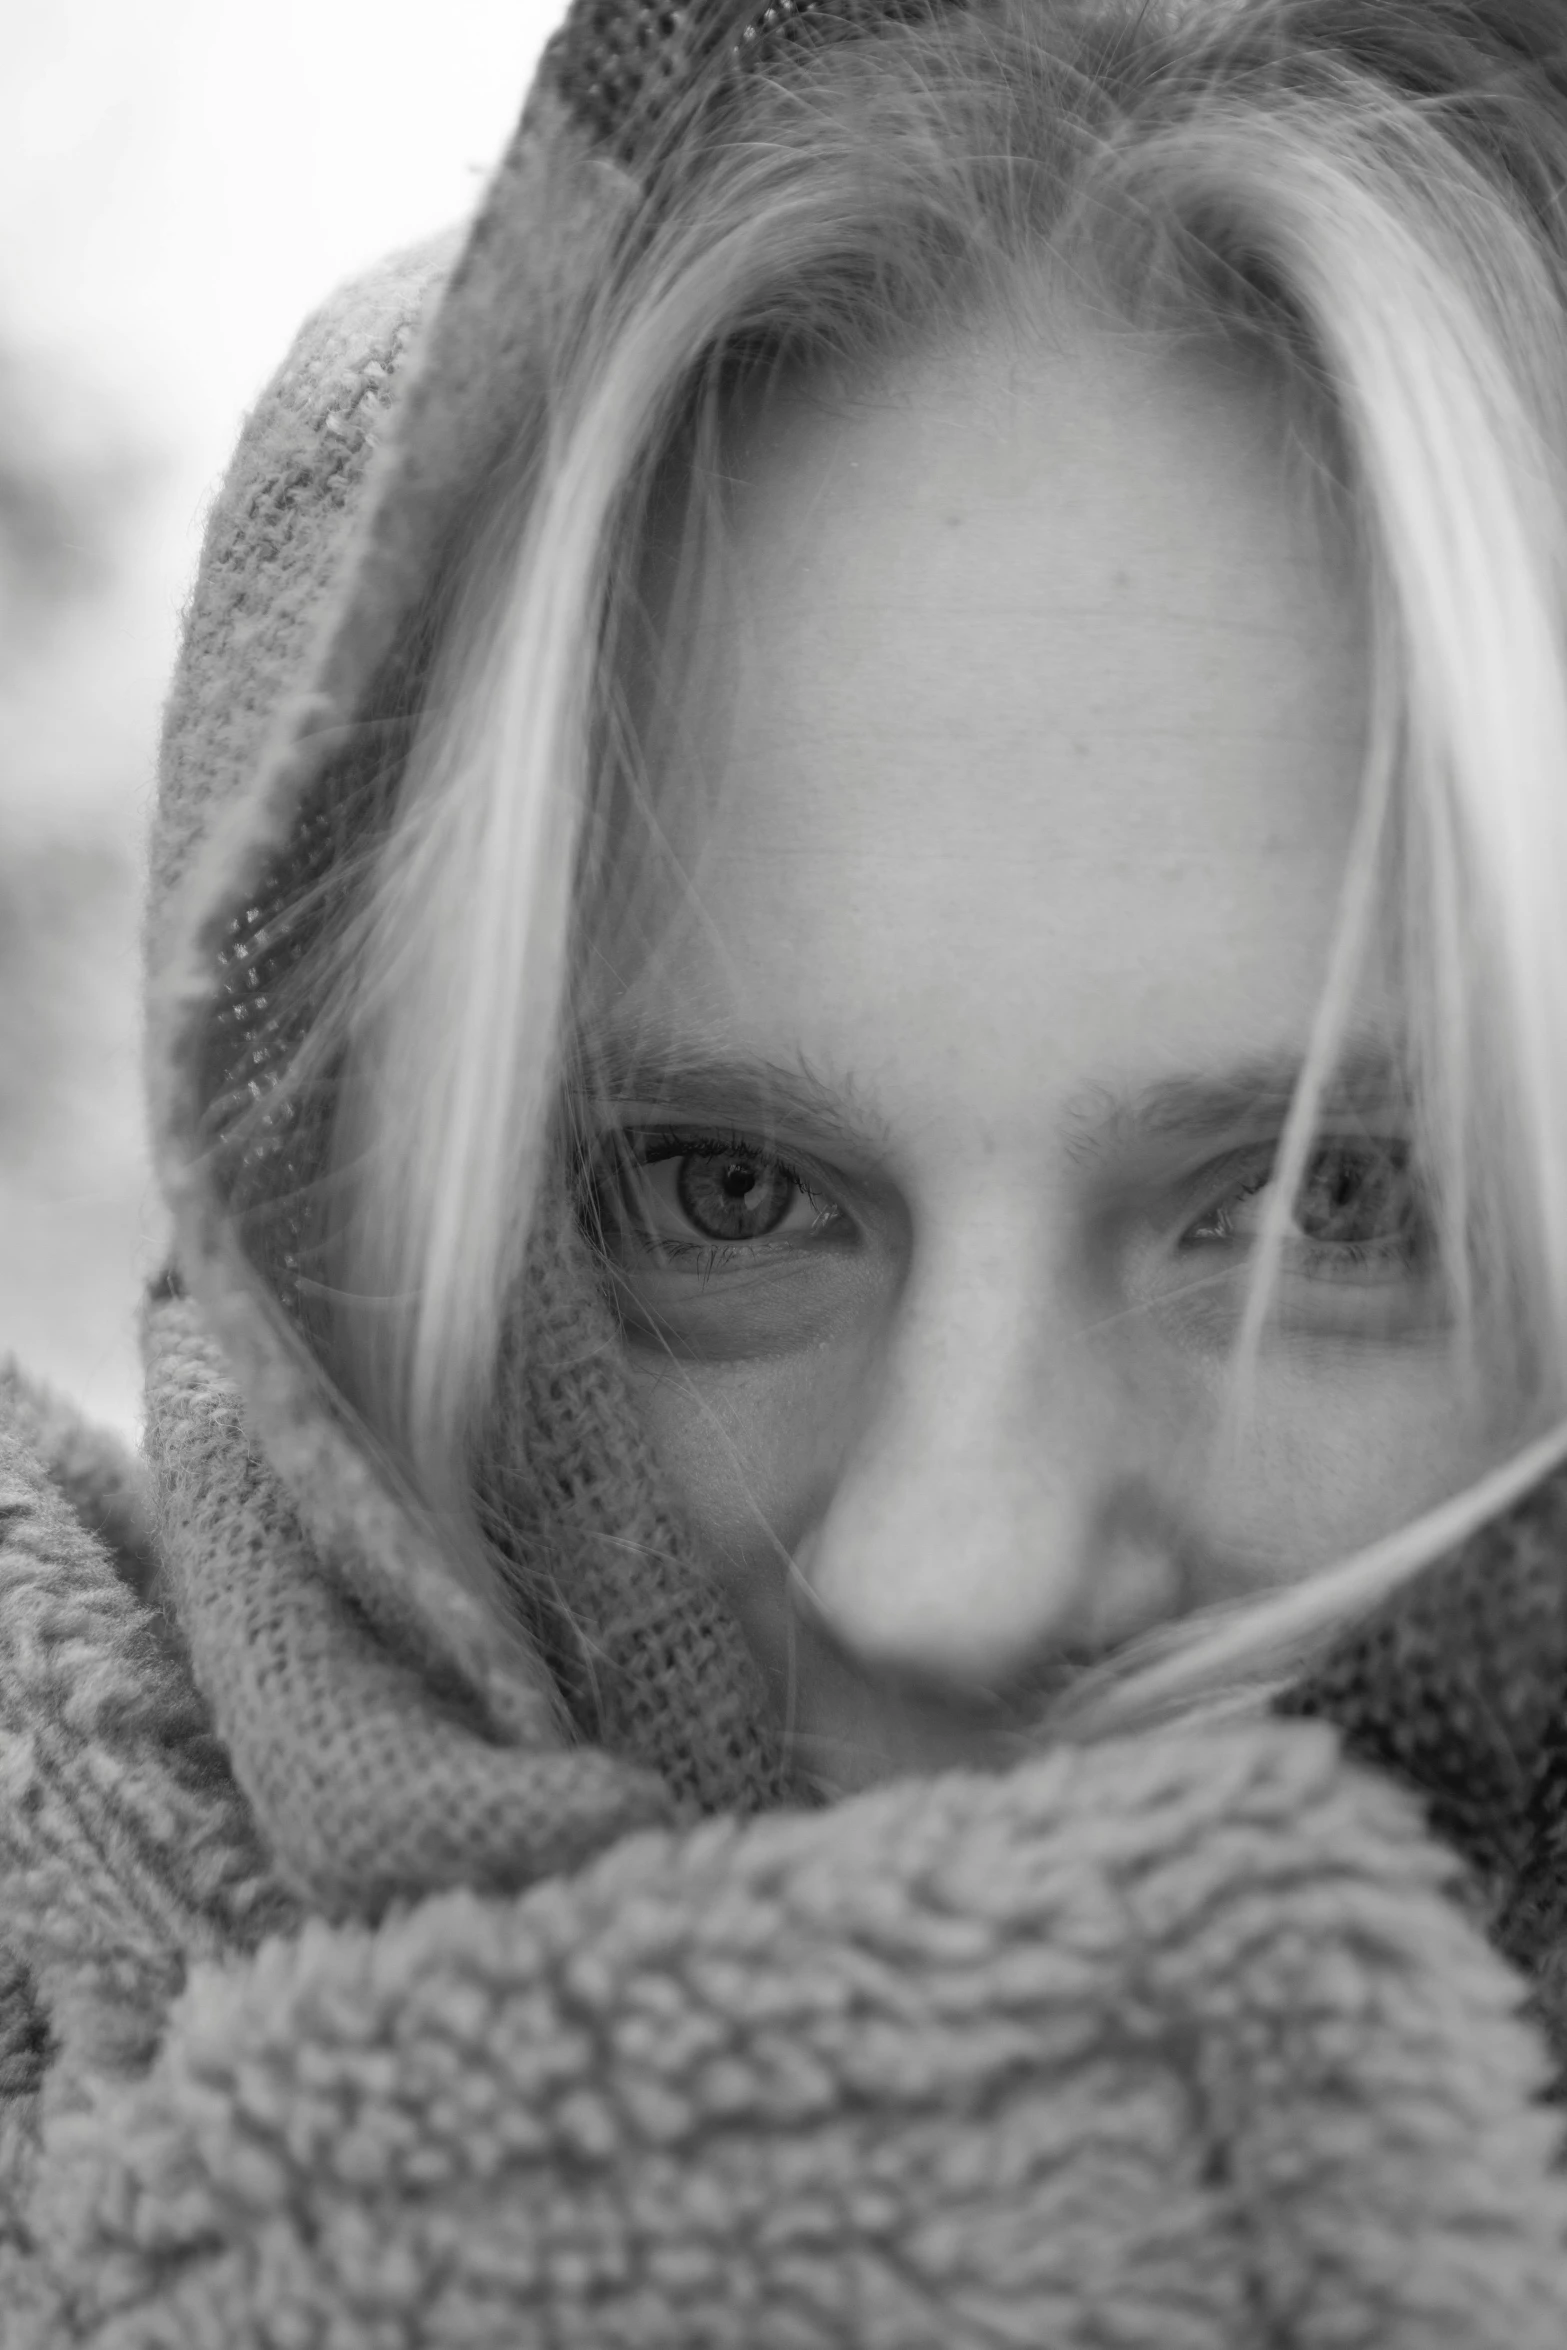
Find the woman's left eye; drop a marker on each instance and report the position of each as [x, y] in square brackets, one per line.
[682, 1195]
[1359, 1208]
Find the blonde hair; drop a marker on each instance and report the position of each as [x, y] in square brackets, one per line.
[1366, 194]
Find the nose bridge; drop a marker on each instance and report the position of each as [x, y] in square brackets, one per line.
[961, 1531]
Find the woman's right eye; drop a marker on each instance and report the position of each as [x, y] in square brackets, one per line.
[709, 1196]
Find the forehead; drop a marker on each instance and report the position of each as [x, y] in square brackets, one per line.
[1027, 697]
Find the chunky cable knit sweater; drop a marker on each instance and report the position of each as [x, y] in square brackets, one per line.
[347, 2000]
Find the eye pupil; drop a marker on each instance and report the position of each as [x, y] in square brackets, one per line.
[733, 1197]
[1356, 1196]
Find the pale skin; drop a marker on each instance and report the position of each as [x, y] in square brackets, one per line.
[1014, 785]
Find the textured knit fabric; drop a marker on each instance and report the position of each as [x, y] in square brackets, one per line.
[1458, 1686]
[680, 1691]
[1177, 2047]
[125, 1847]
[369, 1974]
[1181, 2040]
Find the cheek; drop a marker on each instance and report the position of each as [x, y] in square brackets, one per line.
[1336, 1448]
[751, 1454]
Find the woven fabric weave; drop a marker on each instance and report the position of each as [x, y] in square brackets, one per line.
[372, 1774]
[660, 1677]
[1458, 1688]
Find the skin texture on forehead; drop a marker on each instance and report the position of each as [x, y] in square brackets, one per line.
[1007, 803]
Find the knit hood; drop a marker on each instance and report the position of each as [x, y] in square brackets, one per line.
[362, 468]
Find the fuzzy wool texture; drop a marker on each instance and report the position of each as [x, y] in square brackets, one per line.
[370, 1976]
[1174, 2041]
[370, 1776]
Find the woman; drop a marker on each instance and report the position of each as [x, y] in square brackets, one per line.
[855, 979]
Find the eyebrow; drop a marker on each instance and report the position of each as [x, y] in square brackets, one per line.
[656, 1068]
[1248, 1098]
[1368, 1079]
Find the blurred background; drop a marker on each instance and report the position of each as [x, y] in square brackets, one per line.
[180, 181]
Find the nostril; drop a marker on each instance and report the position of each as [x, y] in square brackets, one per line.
[1139, 1580]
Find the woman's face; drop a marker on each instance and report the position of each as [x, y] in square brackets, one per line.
[1007, 806]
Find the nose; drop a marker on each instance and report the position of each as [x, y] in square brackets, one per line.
[999, 1505]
